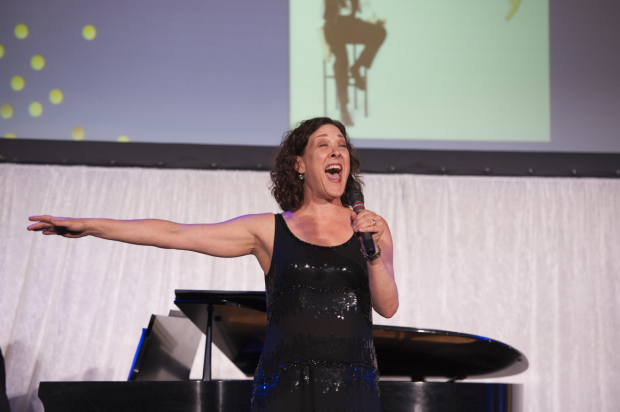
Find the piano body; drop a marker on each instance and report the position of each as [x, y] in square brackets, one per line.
[236, 323]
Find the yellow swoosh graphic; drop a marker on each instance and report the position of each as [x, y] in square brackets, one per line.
[514, 5]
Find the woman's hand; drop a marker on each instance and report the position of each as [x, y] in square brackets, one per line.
[369, 222]
[61, 226]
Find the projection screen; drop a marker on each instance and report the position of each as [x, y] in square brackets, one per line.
[503, 75]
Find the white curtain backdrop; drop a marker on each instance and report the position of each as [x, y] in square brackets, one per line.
[532, 262]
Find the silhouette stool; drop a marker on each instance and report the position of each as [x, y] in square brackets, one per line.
[350, 83]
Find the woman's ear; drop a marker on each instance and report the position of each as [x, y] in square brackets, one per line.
[300, 167]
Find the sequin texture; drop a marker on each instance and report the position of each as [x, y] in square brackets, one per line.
[319, 353]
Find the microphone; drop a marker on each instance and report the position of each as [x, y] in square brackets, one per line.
[356, 200]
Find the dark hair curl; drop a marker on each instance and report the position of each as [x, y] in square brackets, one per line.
[286, 186]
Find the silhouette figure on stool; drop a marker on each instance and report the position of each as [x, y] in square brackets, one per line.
[342, 27]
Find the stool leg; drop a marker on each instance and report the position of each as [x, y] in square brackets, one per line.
[366, 92]
[354, 86]
[324, 88]
[336, 93]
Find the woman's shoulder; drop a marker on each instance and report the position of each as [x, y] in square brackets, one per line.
[260, 219]
[261, 226]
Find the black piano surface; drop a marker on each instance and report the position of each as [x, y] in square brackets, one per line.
[239, 322]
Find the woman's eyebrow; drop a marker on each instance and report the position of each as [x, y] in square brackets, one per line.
[325, 135]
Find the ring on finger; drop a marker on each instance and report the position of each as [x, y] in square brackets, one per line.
[374, 222]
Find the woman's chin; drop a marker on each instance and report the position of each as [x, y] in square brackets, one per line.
[336, 192]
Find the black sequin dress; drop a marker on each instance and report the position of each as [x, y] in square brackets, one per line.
[319, 354]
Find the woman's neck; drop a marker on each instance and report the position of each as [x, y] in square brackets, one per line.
[320, 207]
[322, 223]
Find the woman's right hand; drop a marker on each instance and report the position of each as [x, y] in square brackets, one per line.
[61, 226]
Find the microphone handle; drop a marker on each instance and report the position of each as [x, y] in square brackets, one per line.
[369, 243]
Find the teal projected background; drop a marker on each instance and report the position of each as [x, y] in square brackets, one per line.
[474, 70]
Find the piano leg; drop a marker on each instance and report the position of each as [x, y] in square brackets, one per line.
[206, 371]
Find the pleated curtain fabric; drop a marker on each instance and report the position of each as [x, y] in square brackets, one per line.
[532, 262]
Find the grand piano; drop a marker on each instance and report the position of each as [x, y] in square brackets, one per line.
[421, 369]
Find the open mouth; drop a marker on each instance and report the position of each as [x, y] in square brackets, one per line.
[334, 173]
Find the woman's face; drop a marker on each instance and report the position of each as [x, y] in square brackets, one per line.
[325, 163]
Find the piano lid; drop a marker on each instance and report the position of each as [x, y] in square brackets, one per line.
[240, 323]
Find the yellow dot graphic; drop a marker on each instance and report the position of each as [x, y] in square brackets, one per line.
[1, 51]
[18, 83]
[77, 133]
[37, 62]
[56, 96]
[35, 109]
[21, 31]
[89, 32]
[6, 111]
[122, 139]
[10, 136]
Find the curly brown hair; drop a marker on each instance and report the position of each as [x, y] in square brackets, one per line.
[286, 186]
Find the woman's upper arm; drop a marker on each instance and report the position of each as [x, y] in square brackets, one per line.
[241, 236]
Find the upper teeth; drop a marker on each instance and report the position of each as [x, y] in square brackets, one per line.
[337, 167]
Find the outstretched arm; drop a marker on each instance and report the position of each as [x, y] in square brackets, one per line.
[241, 236]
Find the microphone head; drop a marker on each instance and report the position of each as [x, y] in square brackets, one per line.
[355, 196]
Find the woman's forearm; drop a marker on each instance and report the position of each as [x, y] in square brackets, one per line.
[382, 286]
[150, 232]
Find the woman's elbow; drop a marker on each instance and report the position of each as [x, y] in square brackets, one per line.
[390, 311]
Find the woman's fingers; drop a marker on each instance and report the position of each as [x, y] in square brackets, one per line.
[48, 219]
[45, 218]
[60, 221]
[368, 221]
[37, 227]
[50, 225]
[42, 223]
